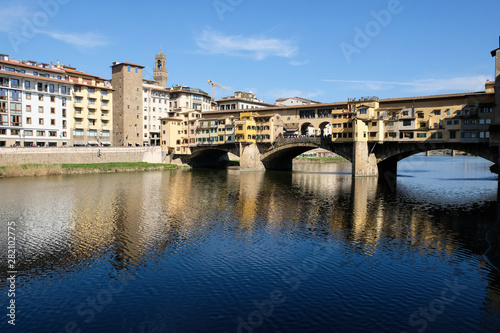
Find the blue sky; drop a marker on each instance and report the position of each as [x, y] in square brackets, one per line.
[323, 50]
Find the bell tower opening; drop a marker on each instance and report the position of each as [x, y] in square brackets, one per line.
[160, 71]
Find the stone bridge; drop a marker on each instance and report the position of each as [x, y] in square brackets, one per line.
[367, 158]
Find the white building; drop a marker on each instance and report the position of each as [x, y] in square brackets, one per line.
[184, 97]
[156, 102]
[241, 101]
[294, 101]
[34, 104]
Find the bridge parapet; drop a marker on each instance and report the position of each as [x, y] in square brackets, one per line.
[280, 142]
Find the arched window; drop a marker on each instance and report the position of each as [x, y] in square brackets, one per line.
[159, 64]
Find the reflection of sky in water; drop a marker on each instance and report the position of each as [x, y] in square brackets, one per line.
[194, 250]
[444, 181]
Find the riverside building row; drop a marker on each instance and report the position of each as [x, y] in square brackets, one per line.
[52, 105]
[464, 117]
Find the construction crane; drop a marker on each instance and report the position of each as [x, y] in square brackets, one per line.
[213, 84]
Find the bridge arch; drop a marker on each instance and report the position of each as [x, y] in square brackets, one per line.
[389, 154]
[281, 157]
[325, 128]
[210, 157]
[307, 129]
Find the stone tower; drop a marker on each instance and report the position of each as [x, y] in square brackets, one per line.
[127, 104]
[160, 71]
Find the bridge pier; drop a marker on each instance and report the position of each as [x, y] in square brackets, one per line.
[364, 163]
[250, 157]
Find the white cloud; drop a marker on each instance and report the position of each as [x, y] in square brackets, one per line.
[29, 19]
[459, 84]
[82, 40]
[11, 16]
[298, 63]
[213, 42]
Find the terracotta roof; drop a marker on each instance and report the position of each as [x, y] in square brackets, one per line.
[83, 74]
[296, 97]
[435, 96]
[34, 77]
[152, 87]
[126, 63]
[20, 64]
[244, 100]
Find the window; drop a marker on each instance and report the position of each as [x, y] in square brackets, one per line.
[456, 122]
[51, 88]
[28, 120]
[52, 110]
[421, 135]
[104, 92]
[28, 95]
[128, 68]
[437, 112]
[15, 95]
[15, 120]
[406, 122]
[28, 132]
[77, 89]
[91, 90]
[40, 133]
[453, 134]
[63, 89]
[78, 99]
[52, 99]
[28, 108]
[27, 84]
[40, 109]
[40, 121]
[78, 132]
[52, 122]
[53, 133]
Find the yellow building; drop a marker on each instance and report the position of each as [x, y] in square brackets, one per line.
[91, 109]
[178, 131]
[246, 128]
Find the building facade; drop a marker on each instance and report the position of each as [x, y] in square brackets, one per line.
[128, 112]
[34, 104]
[156, 101]
[91, 120]
[295, 101]
[241, 101]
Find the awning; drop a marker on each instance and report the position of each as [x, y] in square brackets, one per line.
[106, 143]
[79, 143]
[93, 143]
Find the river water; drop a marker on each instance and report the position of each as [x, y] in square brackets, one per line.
[227, 251]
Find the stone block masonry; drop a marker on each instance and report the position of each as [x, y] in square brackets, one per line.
[81, 155]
